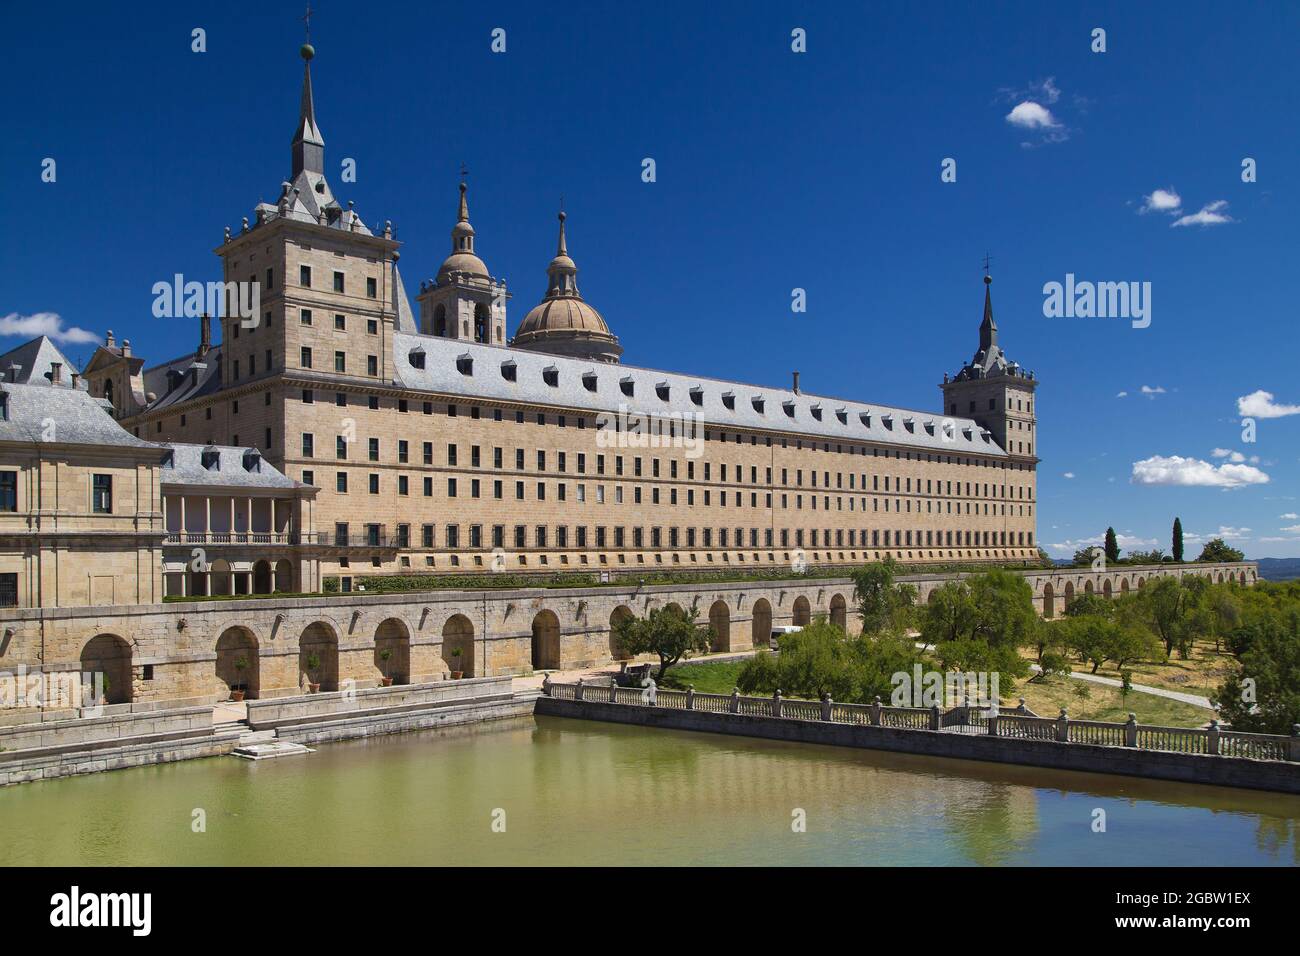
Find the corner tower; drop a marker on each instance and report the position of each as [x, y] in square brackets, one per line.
[997, 393]
[463, 301]
[563, 324]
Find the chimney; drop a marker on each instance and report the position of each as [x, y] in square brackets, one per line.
[13, 371]
[205, 334]
[76, 380]
[126, 348]
[796, 383]
[108, 340]
[56, 373]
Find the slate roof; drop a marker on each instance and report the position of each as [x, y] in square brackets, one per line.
[35, 357]
[229, 467]
[751, 406]
[208, 379]
[77, 418]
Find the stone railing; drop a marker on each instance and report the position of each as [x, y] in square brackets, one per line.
[1018, 723]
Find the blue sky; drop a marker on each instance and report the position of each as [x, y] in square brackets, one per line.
[775, 170]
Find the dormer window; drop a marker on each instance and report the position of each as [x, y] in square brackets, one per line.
[843, 415]
[589, 381]
[759, 404]
[169, 456]
[887, 421]
[928, 425]
[816, 412]
[252, 460]
[909, 423]
[174, 378]
[697, 395]
[865, 418]
[509, 370]
[625, 383]
[210, 459]
[789, 408]
[729, 400]
[661, 389]
[417, 358]
[465, 364]
[551, 376]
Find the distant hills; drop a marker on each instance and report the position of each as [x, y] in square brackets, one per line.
[1278, 569]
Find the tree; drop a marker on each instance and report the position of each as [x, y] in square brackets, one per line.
[1216, 549]
[883, 604]
[980, 623]
[668, 632]
[1084, 556]
[1178, 540]
[1164, 606]
[1112, 546]
[1086, 603]
[1154, 556]
[1263, 695]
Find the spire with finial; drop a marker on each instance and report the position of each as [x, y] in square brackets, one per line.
[988, 328]
[308, 144]
[563, 271]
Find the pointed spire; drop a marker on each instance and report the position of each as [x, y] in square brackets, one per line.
[562, 250]
[308, 144]
[988, 328]
[563, 271]
[463, 215]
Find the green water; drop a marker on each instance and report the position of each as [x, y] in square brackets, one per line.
[575, 792]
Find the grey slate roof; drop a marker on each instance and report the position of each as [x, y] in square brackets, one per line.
[753, 406]
[209, 379]
[76, 417]
[229, 468]
[35, 357]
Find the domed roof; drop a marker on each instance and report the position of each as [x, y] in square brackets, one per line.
[562, 323]
[462, 262]
[462, 258]
[562, 313]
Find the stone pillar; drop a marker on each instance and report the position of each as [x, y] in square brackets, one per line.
[776, 702]
[1131, 731]
[690, 696]
[546, 685]
[1294, 743]
[826, 706]
[1063, 726]
[1212, 738]
[875, 712]
[577, 691]
[934, 716]
[613, 690]
[734, 707]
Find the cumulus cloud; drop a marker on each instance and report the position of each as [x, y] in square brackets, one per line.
[1068, 474]
[1127, 542]
[1031, 115]
[44, 323]
[1289, 516]
[1151, 392]
[1211, 214]
[1291, 529]
[1193, 472]
[1122, 395]
[1162, 200]
[1260, 404]
[1233, 456]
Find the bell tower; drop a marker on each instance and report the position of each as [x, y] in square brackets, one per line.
[464, 302]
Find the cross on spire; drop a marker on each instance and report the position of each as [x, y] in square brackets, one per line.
[306, 19]
[987, 259]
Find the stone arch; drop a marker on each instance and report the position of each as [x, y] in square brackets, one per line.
[238, 644]
[720, 622]
[1107, 589]
[1049, 601]
[762, 623]
[1241, 578]
[802, 612]
[1069, 592]
[458, 634]
[440, 319]
[674, 604]
[262, 577]
[482, 323]
[393, 636]
[1087, 587]
[318, 656]
[1221, 577]
[1123, 586]
[840, 612]
[110, 655]
[546, 641]
[619, 614]
[282, 579]
[220, 578]
[1141, 583]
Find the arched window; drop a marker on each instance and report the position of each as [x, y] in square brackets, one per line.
[440, 320]
[481, 323]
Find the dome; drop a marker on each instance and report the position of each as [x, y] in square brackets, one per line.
[462, 262]
[561, 314]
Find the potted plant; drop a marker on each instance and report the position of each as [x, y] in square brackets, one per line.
[456, 672]
[237, 691]
[384, 655]
[313, 665]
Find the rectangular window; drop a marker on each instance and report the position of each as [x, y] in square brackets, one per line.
[338, 281]
[304, 276]
[372, 288]
[306, 357]
[8, 491]
[341, 482]
[308, 445]
[102, 494]
[340, 362]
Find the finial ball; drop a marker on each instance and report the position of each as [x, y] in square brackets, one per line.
[307, 51]
[562, 216]
[988, 280]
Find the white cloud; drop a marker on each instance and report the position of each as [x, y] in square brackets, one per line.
[1192, 472]
[44, 323]
[1126, 542]
[1031, 115]
[1291, 529]
[1150, 392]
[1068, 474]
[1232, 534]
[1233, 456]
[1211, 214]
[1289, 516]
[1162, 200]
[1122, 395]
[1260, 404]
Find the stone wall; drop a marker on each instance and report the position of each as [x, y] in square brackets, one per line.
[185, 653]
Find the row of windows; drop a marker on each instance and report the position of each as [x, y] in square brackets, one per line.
[101, 492]
[543, 536]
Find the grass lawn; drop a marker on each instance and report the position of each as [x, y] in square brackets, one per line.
[1047, 697]
[716, 678]
[1202, 673]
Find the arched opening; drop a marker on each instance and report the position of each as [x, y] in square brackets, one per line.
[720, 623]
[318, 657]
[393, 651]
[1123, 586]
[802, 612]
[546, 641]
[1049, 601]
[262, 577]
[840, 612]
[482, 319]
[1241, 579]
[440, 320]
[1069, 592]
[674, 606]
[284, 575]
[762, 627]
[1087, 587]
[1221, 577]
[1106, 589]
[458, 645]
[237, 661]
[219, 577]
[198, 581]
[1141, 583]
[616, 651]
[109, 655]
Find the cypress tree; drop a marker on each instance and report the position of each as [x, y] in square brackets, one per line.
[1112, 546]
[1178, 540]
